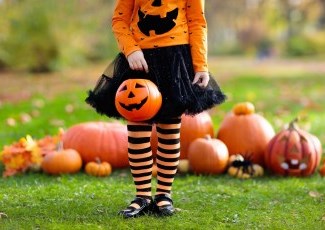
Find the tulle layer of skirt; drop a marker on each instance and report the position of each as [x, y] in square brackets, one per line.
[171, 69]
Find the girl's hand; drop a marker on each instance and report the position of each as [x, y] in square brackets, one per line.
[137, 62]
[201, 78]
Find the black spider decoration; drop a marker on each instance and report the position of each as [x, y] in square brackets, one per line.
[243, 164]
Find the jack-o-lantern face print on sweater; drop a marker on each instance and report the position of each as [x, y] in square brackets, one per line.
[157, 23]
[147, 24]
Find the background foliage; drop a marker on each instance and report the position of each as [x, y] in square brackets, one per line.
[66, 37]
[267, 27]
[47, 35]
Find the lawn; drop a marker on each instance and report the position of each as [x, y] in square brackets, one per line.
[281, 91]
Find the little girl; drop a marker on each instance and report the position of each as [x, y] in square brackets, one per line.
[164, 41]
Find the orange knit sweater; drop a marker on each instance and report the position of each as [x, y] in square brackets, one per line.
[141, 24]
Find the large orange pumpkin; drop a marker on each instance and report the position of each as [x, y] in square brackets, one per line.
[103, 140]
[61, 161]
[246, 133]
[138, 99]
[192, 127]
[293, 152]
[208, 156]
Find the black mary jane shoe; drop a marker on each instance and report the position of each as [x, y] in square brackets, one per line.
[131, 212]
[164, 210]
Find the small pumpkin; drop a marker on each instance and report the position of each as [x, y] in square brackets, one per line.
[235, 157]
[244, 108]
[243, 168]
[183, 166]
[246, 132]
[104, 140]
[208, 156]
[238, 173]
[293, 152]
[62, 161]
[138, 99]
[192, 127]
[322, 170]
[98, 168]
[258, 170]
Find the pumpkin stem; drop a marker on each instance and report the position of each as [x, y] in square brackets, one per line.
[293, 123]
[59, 146]
[244, 108]
[207, 137]
[98, 161]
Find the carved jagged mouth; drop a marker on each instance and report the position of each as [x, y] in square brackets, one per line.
[156, 23]
[293, 164]
[134, 106]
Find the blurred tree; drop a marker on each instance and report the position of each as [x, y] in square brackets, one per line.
[249, 26]
[321, 20]
[30, 42]
[46, 35]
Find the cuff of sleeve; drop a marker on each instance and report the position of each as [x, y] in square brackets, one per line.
[200, 69]
[128, 51]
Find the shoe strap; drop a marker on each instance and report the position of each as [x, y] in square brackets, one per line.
[163, 197]
[140, 201]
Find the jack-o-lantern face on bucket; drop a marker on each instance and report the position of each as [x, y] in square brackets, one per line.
[138, 99]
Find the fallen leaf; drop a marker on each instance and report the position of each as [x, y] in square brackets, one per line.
[123, 174]
[250, 96]
[38, 103]
[35, 113]
[323, 218]
[2, 214]
[69, 108]
[25, 118]
[315, 194]
[57, 122]
[100, 210]
[11, 122]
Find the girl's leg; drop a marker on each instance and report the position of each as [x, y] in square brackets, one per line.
[140, 161]
[168, 153]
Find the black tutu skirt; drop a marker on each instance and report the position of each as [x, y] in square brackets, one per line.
[171, 69]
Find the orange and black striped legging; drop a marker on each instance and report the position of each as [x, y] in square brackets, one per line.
[140, 155]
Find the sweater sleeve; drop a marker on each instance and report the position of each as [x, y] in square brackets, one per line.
[121, 20]
[198, 34]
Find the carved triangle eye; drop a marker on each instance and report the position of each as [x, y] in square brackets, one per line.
[124, 88]
[137, 85]
[131, 95]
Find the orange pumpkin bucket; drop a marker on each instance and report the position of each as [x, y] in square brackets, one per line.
[138, 99]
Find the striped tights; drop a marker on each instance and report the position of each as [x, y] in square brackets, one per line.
[141, 160]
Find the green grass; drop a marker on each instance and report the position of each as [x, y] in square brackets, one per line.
[280, 99]
[49, 117]
[38, 201]
[207, 202]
